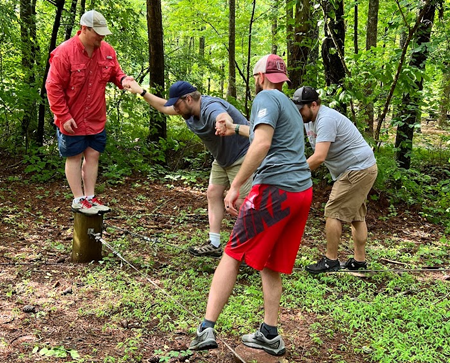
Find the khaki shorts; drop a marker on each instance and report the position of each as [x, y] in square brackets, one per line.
[347, 201]
[225, 176]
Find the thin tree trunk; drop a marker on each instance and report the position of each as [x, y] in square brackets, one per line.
[371, 41]
[444, 100]
[249, 48]
[42, 105]
[73, 13]
[158, 124]
[232, 50]
[355, 30]
[411, 101]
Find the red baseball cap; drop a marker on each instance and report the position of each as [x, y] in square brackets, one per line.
[273, 67]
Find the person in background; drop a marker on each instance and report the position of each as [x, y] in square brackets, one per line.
[201, 114]
[339, 145]
[80, 68]
[268, 231]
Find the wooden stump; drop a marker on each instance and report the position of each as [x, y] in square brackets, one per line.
[85, 247]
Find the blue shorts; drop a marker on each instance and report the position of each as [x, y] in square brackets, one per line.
[75, 145]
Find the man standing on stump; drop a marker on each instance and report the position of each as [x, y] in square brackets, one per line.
[80, 68]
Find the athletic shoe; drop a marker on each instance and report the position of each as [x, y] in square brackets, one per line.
[257, 340]
[205, 339]
[352, 264]
[99, 205]
[324, 265]
[83, 206]
[207, 250]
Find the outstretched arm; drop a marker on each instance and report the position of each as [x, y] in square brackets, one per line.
[154, 101]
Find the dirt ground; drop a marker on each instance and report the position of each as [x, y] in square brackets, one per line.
[25, 256]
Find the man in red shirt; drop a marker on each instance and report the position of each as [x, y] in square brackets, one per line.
[80, 68]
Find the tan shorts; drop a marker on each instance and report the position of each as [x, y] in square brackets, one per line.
[347, 201]
[225, 176]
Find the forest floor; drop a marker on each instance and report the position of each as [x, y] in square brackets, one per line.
[43, 292]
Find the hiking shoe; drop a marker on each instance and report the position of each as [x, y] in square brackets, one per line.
[323, 265]
[257, 340]
[207, 250]
[99, 205]
[205, 339]
[83, 206]
[352, 264]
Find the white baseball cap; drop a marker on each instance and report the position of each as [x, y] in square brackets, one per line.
[93, 19]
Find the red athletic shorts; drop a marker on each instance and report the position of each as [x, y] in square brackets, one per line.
[269, 228]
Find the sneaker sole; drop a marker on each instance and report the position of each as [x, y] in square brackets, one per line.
[315, 272]
[269, 351]
[205, 345]
[86, 214]
[197, 254]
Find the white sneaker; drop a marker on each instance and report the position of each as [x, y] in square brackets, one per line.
[83, 206]
[99, 205]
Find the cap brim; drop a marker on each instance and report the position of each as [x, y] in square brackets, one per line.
[299, 105]
[171, 101]
[277, 77]
[102, 30]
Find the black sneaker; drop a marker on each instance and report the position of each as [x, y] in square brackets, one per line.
[207, 250]
[323, 265]
[205, 339]
[352, 264]
[257, 340]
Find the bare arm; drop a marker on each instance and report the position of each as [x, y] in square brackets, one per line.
[255, 155]
[226, 127]
[154, 101]
[319, 156]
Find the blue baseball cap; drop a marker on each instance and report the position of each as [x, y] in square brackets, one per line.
[177, 90]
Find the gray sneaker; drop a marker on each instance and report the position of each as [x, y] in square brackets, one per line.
[257, 340]
[205, 339]
[83, 206]
[207, 250]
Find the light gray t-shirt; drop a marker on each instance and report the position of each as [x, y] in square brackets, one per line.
[226, 150]
[348, 149]
[285, 165]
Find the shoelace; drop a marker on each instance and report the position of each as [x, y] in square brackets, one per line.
[85, 204]
[96, 201]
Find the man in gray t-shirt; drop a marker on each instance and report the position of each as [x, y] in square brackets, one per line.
[339, 145]
[201, 114]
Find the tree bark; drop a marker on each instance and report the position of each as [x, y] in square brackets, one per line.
[333, 44]
[301, 46]
[158, 123]
[71, 23]
[371, 41]
[43, 103]
[411, 101]
[444, 100]
[232, 50]
[29, 50]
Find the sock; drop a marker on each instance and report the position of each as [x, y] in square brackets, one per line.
[215, 239]
[77, 200]
[207, 324]
[269, 332]
[89, 197]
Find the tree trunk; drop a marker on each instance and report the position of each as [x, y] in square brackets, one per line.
[232, 51]
[274, 49]
[371, 41]
[334, 32]
[29, 50]
[355, 30]
[158, 123]
[42, 105]
[444, 100]
[300, 47]
[248, 95]
[71, 21]
[411, 101]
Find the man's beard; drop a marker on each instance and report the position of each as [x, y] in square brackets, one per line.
[258, 87]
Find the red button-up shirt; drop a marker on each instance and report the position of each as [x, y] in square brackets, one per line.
[76, 85]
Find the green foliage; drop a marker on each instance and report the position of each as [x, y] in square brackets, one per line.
[56, 352]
